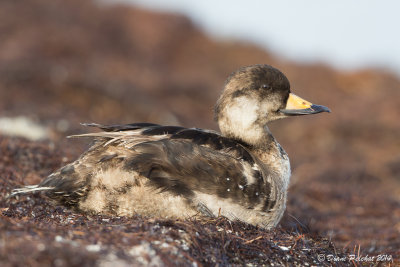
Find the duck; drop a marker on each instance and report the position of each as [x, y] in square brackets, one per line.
[173, 172]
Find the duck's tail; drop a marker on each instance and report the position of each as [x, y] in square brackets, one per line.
[29, 189]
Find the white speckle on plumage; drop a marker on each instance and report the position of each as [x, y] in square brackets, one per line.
[228, 190]
[255, 167]
[248, 173]
[240, 187]
[227, 178]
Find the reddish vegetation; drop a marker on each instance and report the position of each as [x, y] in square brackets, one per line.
[83, 62]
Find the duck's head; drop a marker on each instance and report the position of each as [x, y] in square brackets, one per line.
[254, 96]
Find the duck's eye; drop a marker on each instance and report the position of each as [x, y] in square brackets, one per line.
[266, 86]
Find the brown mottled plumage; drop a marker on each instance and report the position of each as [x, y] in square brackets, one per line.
[169, 171]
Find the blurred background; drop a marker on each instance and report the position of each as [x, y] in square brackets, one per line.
[65, 62]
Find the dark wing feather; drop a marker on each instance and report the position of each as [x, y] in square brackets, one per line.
[160, 130]
[184, 168]
[197, 136]
[148, 128]
[121, 127]
[216, 142]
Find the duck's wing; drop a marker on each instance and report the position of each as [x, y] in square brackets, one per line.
[121, 127]
[187, 162]
[193, 167]
[137, 133]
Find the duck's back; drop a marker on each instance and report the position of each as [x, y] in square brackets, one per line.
[164, 171]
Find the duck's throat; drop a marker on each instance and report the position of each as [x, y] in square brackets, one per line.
[254, 136]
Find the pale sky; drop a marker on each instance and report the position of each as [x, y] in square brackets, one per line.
[343, 33]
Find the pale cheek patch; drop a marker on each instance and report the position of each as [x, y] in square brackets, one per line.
[243, 112]
[240, 120]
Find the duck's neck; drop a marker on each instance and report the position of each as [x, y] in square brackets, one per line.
[271, 155]
[275, 160]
